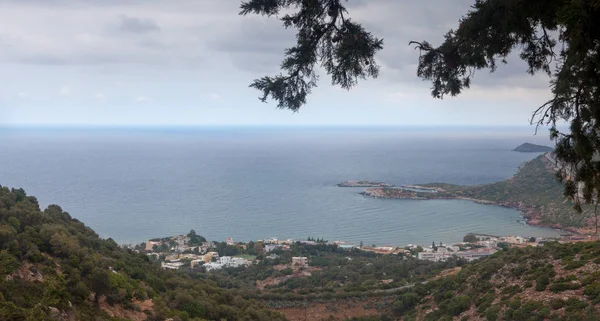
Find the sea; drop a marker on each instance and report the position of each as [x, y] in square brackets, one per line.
[251, 183]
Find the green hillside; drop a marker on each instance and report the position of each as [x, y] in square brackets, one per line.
[53, 267]
[553, 282]
[534, 189]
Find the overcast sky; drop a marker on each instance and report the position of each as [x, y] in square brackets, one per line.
[189, 62]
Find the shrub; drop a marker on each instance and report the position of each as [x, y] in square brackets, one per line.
[575, 305]
[459, 304]
[559, 287]
[556, 304]
[542, 282]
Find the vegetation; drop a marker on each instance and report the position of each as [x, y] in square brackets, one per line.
[500, 287]
[333, 271]
[533, 190]
[53, 266]
[558, 37]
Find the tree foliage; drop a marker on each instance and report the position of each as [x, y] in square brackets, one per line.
[327, 38]
[560, 38]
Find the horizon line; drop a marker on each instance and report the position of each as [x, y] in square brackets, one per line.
[257, 126]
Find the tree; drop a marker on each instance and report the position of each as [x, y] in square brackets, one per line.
[195, 239]
[557, 37]
[470, 238]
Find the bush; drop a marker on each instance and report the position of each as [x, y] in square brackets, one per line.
[593, 292]
[492, 313]
[559, 287]
[556, 304]
[572, 265]
[575, 305]
[459, 304]
[542, 282]
[405, 302]
[470, 238]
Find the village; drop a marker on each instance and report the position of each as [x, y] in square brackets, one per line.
[193, 251]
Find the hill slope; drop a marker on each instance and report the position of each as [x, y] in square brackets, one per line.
[533, 190]
[53, 267]
[554, 282]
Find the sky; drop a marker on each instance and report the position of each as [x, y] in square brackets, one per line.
[189, 62]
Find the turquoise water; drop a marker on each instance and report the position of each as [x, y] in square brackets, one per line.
[247, 183]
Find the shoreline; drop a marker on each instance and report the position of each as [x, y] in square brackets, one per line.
[530, 214]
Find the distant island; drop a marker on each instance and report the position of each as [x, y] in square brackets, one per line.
[363, 184]
[532, 148]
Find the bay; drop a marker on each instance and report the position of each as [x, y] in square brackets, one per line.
[132, 184]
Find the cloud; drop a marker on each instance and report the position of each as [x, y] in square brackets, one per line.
[65, 91]
[100, 96]
[213, 96]
[98, 33]
[23, 94]
[142, 99]
[127, 24]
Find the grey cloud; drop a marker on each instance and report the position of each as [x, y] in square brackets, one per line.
[74, 33]
[164, 32]
[254, 44]
[129, 24]
[399, 22]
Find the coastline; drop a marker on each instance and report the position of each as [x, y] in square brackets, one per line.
[530, 213]
[533, 191]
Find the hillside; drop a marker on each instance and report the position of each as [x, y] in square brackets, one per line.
[559, 282]
[53, 267]
[553, 282]
[533, 190]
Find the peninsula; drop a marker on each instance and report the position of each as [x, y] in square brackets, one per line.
[532, 148]
[533, 190]
[363, 184]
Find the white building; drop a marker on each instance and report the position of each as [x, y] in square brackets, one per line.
[300, 260]
[173, 265]
[226, 262]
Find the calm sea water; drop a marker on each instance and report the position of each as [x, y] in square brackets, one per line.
[246, 183]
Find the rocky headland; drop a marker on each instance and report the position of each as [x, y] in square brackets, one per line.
[533, 191]
[363, 184]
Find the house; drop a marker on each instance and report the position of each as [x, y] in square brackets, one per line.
[225, 262]
[229, 241]
[271, 247]
[300, 260]
[212, 266]
[194, 263]
[513, 239]
[173, 265]
[150, 245]
[433, 256]
[475, 254]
